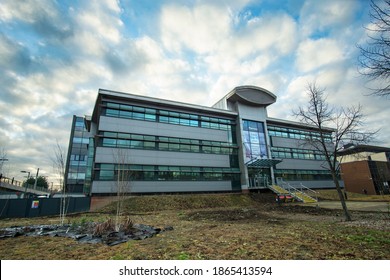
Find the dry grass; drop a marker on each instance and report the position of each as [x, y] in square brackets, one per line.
[333, 195]
[218, 227]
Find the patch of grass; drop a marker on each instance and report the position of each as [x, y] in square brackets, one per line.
[183, 256]
[118, 257]
[155, 203]
[333, 195]
[369, 237]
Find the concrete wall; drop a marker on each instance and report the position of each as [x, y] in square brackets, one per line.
[252, 113]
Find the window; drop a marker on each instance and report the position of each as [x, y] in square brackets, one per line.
[80, 140]
[164, 116]
[297, 133]
[108, 172]
[122, 140]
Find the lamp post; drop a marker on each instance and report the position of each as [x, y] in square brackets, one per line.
[28, 176]
[36, 179]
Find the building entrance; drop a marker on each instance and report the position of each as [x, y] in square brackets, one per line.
[259, 178]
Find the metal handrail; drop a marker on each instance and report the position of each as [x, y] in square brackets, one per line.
[290, 187]
[310, 190]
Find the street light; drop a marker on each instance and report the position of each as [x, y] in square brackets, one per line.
[28, 176]
[36, 179]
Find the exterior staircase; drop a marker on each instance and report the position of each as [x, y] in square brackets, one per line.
[301, 193]
[305, 198]
[278, 190]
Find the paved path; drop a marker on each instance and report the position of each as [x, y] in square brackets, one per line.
[354, 205]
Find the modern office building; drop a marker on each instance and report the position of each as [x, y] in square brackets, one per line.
[76, 161]
[365, 169]
[163, 146]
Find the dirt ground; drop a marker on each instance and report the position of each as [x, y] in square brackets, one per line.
[218, 227]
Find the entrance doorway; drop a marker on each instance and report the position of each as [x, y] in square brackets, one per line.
[259, 178]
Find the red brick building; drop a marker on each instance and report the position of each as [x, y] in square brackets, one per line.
[365, 169]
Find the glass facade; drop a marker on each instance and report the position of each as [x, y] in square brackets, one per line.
[302, 175]
[89, 169]
[162, 143]
[255, 145]
[280, 152]
[172, 117]
[77, 156]
[295, 133]
[109, 172]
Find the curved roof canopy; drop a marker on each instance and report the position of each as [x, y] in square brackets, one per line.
[252, 95]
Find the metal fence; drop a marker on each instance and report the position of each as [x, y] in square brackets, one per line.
[36, 207]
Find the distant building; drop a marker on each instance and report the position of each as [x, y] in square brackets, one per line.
[365, 169]
[168, 146]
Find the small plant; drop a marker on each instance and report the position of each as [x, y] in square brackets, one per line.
[127, 225]
[104, 227]
[118, 256]
[83, 220]
[183, 256]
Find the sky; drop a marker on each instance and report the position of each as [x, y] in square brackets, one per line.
[55, 55]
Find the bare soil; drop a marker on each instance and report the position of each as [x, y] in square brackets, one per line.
[217, 226]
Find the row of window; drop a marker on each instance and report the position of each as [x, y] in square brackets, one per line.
[164, 116]
[79, 124]
[111, 172]
[294, 174]
[77, 157]
[297, 133]
[278, 152]
[80, 140]
[89, 169]
[76, 175]
[136, 141]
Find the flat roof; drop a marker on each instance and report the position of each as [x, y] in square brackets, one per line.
[196, 108]
[353, 149]
[163, 102]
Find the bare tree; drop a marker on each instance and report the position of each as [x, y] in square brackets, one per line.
[374, 59]
[59, 163]
[123, 182]
[347, 128]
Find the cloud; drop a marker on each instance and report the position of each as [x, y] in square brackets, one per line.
[43, 17]
[325, 16]
[54, 56]
[314, 54]
[201, 29]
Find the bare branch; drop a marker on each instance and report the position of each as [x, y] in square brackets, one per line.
[59, 162]
[347, 127]
[374, 59]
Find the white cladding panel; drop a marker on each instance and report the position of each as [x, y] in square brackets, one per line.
[302, 164]
[153, 157]
[163, 186]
